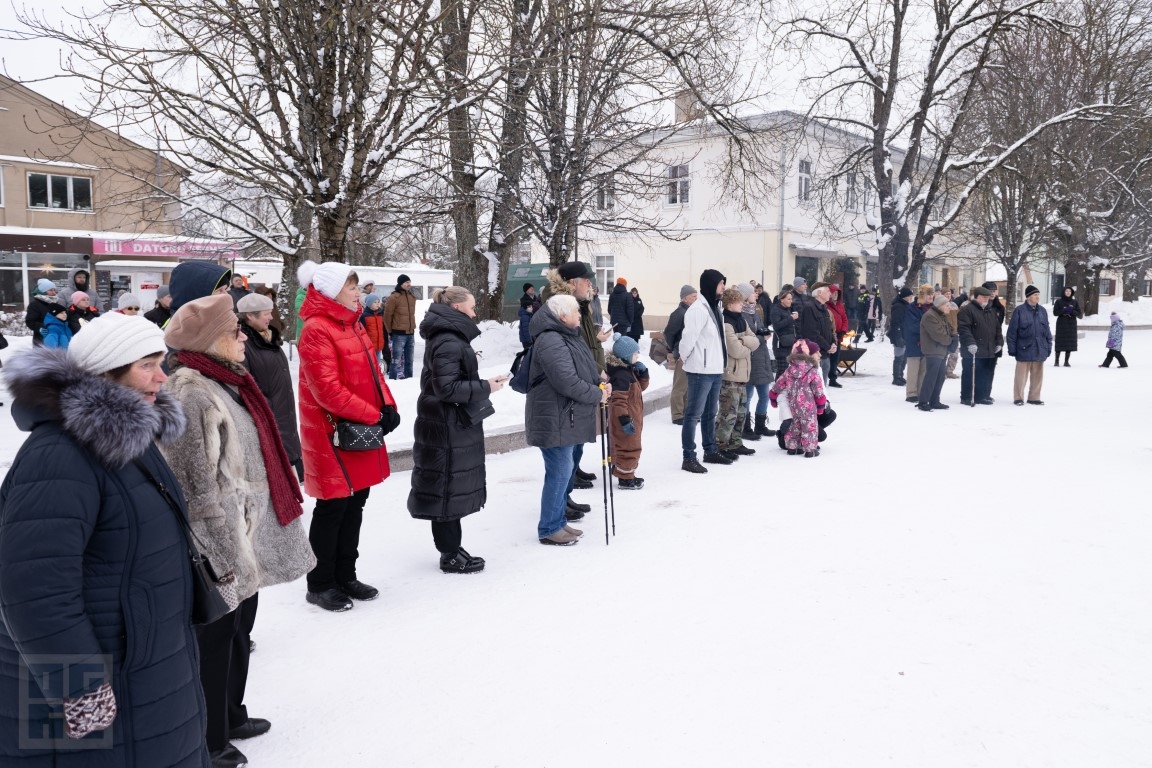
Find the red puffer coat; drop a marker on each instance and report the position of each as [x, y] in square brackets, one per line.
[336, 377]
[839, 315]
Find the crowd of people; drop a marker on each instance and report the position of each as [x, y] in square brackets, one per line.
[197, 456]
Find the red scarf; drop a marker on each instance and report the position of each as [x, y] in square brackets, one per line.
[286, 498]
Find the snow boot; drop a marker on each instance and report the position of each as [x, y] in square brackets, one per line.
[461, 562]
[632, 484]
[716, 458]
[762, 426]
[740, 450]
[747, 432]
[587, 476]
[693, 466]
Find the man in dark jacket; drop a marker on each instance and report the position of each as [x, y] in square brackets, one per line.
[266, 361]
[896, 315]
[238, 289]
[869, 312]
[816, 326]
[1030, 342]
[672, 333]
[981, 339]
[162, 312]
[193, 280]
[621, 309]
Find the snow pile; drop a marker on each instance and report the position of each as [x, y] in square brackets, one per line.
[1131, 312]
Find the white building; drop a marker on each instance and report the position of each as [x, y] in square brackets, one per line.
[774, 239]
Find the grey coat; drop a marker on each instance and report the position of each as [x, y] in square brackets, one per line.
[561, 409]
[218, 463]
[762, 369]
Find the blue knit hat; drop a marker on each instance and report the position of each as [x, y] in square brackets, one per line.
[370, 299]
[624, 348]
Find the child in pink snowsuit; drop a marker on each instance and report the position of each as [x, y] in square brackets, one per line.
[801, 384]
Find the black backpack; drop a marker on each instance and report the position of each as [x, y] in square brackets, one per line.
[521, 371]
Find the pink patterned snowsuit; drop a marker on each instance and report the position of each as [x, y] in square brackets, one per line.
[801, 384]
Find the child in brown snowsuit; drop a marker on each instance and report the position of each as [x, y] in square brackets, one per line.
[629, 378]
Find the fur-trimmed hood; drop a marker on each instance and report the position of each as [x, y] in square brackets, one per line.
[558, 285]
[111, 421]
[796, 356]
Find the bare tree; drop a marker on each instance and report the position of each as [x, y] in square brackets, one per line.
[902, 73]
[316, 105]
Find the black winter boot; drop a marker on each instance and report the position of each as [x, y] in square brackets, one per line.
[762, 426]
[747, 432]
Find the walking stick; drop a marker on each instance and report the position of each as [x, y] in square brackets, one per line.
[973, 403]
[604, 461]
[611, 471]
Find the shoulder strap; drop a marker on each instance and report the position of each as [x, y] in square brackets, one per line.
[189, 534]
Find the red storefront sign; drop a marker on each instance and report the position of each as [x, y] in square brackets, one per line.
[179, 249]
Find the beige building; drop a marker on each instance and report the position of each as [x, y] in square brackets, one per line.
[788, 232]
[74, 194]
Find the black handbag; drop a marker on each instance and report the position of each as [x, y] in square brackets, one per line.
[475, 411]
[354, 436]
[213, 597]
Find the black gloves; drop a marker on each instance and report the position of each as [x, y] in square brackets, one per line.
[389, 419]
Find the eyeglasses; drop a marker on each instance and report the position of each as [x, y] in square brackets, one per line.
[131, 309]
[239, 327]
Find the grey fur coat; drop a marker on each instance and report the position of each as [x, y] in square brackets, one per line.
[219, 465]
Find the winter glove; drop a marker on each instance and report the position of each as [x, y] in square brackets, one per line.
[389, 419]
[639, 367]
[900, 351]
[627, 425]
[772, 398]
[92, 712]
[972, 349]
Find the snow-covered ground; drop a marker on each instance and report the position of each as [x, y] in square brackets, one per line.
[958, 588]
[1132, 312]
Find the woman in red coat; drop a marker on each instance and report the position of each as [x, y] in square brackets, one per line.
[339, 379]
[840, 321]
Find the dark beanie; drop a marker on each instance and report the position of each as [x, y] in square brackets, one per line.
[905, 293]
[989, 285]
[527, 286]
[402, 279]
[570, 270]
[1030, 290]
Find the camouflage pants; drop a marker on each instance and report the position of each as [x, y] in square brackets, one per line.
[733, 411]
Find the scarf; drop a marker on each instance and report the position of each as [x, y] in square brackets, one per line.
[736, 319]
[286, 498]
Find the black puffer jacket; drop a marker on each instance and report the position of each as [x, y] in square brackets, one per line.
[816, 325]
[1067, 311]
[268, 364]
[448, 479]
[621, 309]
[980, 326]
[95, 579]
[784, 329]
[674, 329]
[896, 312]
[561, 409]
[37, 308]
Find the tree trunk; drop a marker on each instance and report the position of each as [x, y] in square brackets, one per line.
[302, 242]
[332, 234]
[1009, 294]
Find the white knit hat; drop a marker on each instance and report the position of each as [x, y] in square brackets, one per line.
[113, 340]
[330, 277]
[128, 300]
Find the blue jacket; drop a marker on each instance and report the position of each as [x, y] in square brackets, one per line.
[525, 319]
[56, 332]
[912, 317]
[1029, 336]
[95, 580]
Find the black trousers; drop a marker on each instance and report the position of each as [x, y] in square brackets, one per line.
[1115, 354]
[335, 536]
[216, 643]
[833, 363]
[985, 370]
[241, 652]
[447, 534]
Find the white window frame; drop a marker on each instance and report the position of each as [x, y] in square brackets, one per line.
[69, 204]
[606, 194]
[605, 268]
[804, 181]
[851, 193]
[678, 187]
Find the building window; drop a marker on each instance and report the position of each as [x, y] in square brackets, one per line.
[1107, 286]
[678, 185]
[606, 194]
[69, 193]
[1056, 285]
[1147, 290]
[805, 189]
[851, 195]
[605, 272]
[521, 253]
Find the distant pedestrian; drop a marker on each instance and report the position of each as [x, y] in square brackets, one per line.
[238, 289]
[896, 314]
[915, 357]
[529, 303]
[56, 332]
[1029, 340]
[1115, 342]
[161, 313]
[400, 322]
[621, 308]
[637, 316]
[1067, 311]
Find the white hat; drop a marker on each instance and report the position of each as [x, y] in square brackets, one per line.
[44, 285]
[304, 273]
[329, 278]
[114, 340]
[128, 300]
